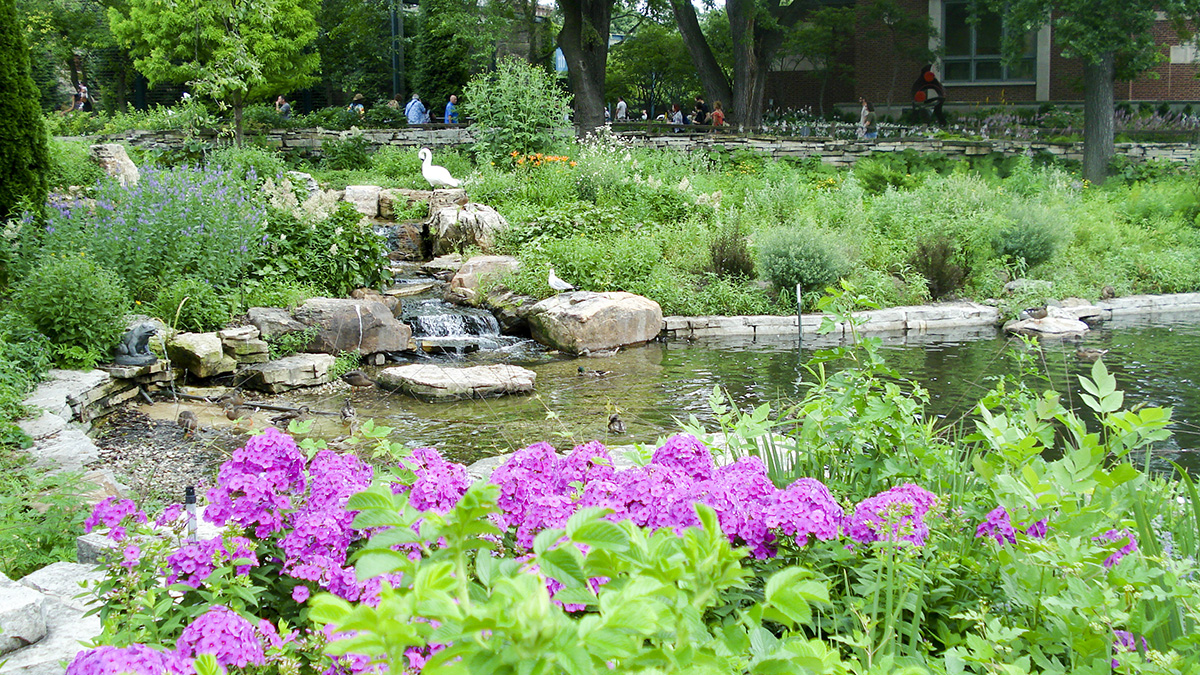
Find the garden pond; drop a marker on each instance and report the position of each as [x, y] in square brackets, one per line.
[655, 387]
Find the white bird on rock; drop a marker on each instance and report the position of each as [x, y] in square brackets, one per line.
[558, 284]
[437, 176]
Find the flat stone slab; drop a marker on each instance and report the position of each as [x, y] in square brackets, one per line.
[202, 354]
[582, 322]
[66, 630]
[291, 372]
[67, 450]
[22, 621]
[64, 581]
[41, 426]
[410, 288]
[53, 394]
[446, 383]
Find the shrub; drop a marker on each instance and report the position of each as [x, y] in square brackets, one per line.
[71, 164]
[247, 162]
[345, 155]
[77, 304]
[808, 257]
[192, 304]
[24, 152]
[173, 223]
[515, 108]
[731, 254]
[940, 259]
[24, 360]
[286, 344]
[1027, 241]
[335, 255]
[274, 292]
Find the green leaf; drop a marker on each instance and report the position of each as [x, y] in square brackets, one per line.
[602, 534]
[563, 564]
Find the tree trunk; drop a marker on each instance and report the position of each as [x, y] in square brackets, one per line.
[712, 77]
[1098, 80]
[753, 49]
[584, 43]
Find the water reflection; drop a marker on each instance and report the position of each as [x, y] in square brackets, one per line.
[655, 386]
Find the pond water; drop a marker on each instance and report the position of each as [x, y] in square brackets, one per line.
[1155, 361]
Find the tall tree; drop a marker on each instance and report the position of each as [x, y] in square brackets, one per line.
[355, 44]
[584, 43]
[24, 152]
[651, 68]
[442, 57]
[820, 40]
[758, 29]
[233, 51]
[1113, 39]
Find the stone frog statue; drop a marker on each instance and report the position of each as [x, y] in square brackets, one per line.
[134, 348]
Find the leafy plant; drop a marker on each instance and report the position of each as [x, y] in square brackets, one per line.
[515, 109]
[336, 255]
[71, 164]
[247, 162]
[941, 261]
[40, 515]
[345, 154]
[731, 253]
[192, 304]
[77, 304]
[286, 344]
[808, 257]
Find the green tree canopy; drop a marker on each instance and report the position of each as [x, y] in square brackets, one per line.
[651, 68]
[232, 51]
[1113, 38]
[24, 151]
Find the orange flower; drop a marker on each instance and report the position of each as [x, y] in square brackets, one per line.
[572, 163]
[514, 153]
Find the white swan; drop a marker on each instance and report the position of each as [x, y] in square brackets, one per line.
[437, 176]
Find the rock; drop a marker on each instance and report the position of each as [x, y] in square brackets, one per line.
[390, 199]
[440, 199]
[292, 372]
[1081, 309]
[305, 181]
[67, 450]
[63, 386]
[362, 326]
[103, 484]
[46, 424]
[66, 629]
[239, 333]
[511, 310]
[443, 267]
[582, 321]
[22, 621]
[454, 228]
[202, 354]
[64, 581]
[365, 199]
[272, 322]
[1058, 321]
[448, 383]
[115, 162]
[409, 287]
[464, 286]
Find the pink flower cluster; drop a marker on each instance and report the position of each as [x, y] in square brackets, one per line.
[540, 490]
[132, 660]
[1112, 536]
[255, 487]
[193, 562]
[223, 633]
[115, 514]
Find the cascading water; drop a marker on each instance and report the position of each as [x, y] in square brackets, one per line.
[442, 327]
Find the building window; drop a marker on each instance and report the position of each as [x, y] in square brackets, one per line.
[973, 48]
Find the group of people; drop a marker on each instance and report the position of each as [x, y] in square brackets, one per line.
[80, 101]
[700, 114]
[415, 111]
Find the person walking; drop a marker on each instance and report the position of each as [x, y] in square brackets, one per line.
[415, 110]
[717, 116]
[622, 109]
[868, 128]
[451, 116]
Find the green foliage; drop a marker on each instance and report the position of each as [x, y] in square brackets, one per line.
[731, 254]
[652, 69]
[344, 363]
[403, 168]
[247, 162]
[346, 154]
[649, 614]
[41, 514]
[941, 261]
[274, 292]
[808, 257]
[77, 304]
[336, 255]
[1029, 241]
[286, 344]
[230, 52]
[515, 108]
[24, 153]
[24, 360]
[442, 54]
[71, 164]
[191, 304]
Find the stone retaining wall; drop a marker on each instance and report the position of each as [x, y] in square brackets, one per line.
[920, 319]
[831, 151]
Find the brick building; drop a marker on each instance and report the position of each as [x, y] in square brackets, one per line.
[971, 67]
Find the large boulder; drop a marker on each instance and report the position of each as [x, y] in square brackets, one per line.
[22, 617]
[582, 322]
[363, 326]
[449, 383]
[115, 162]
[202, 354]
[454, 228]
[464, 286]
[291, 372]
[272, 322]
[365, 199]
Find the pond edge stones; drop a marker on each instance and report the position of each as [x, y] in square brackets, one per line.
[582, 322]
[446, 383]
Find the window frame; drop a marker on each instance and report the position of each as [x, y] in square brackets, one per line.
[973, 59]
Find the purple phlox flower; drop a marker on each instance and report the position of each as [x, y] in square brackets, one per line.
[586, 463]
[439, 484]
[656, 496]
[545, 512]
[529, 473]
[805, 508]
[169, 515]
[1113, 536]
[269, 635]
[226, 635]
[255, 486]
[321, 529]
[135, 659]
[300, 594]
[130, 556]
[739, 493]
[1124, 642]
[113, 514]
[997, 525]
[897, 514]
[687, 453]
[1038, 529]
[193, 562]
